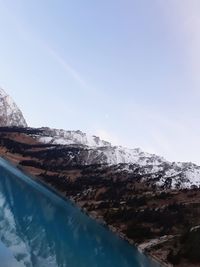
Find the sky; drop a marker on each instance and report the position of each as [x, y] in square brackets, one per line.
[125, 70]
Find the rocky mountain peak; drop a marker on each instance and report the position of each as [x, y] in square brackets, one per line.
[10, 114]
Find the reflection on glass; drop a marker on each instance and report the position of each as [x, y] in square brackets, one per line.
[37, 228]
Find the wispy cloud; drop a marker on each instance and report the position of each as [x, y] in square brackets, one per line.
[30, 36]
[66, 66]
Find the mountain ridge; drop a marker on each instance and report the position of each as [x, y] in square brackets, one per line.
[166, 174]
[142, 206]
[160, 171]
[10, 114]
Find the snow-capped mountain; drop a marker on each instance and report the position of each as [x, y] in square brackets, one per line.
[92, 150]
[83, 149]
[105, 152]
[99, 151]
[10, 114]
[62, 137]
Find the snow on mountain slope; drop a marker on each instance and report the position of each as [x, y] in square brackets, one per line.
[181, 175]
[153, 168]
[103, 150]
[92, 150]
[106, 153]
[62, 137]
[10, 114]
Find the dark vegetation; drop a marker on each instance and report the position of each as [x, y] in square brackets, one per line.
[138, 209]
[20, 130]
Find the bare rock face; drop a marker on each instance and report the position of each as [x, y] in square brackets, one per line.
[10, 114]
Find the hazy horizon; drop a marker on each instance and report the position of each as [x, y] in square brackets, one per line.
[126, 71]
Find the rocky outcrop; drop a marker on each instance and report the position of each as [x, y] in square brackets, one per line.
[10, 114]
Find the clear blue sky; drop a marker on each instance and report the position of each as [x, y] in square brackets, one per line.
[126, 70]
